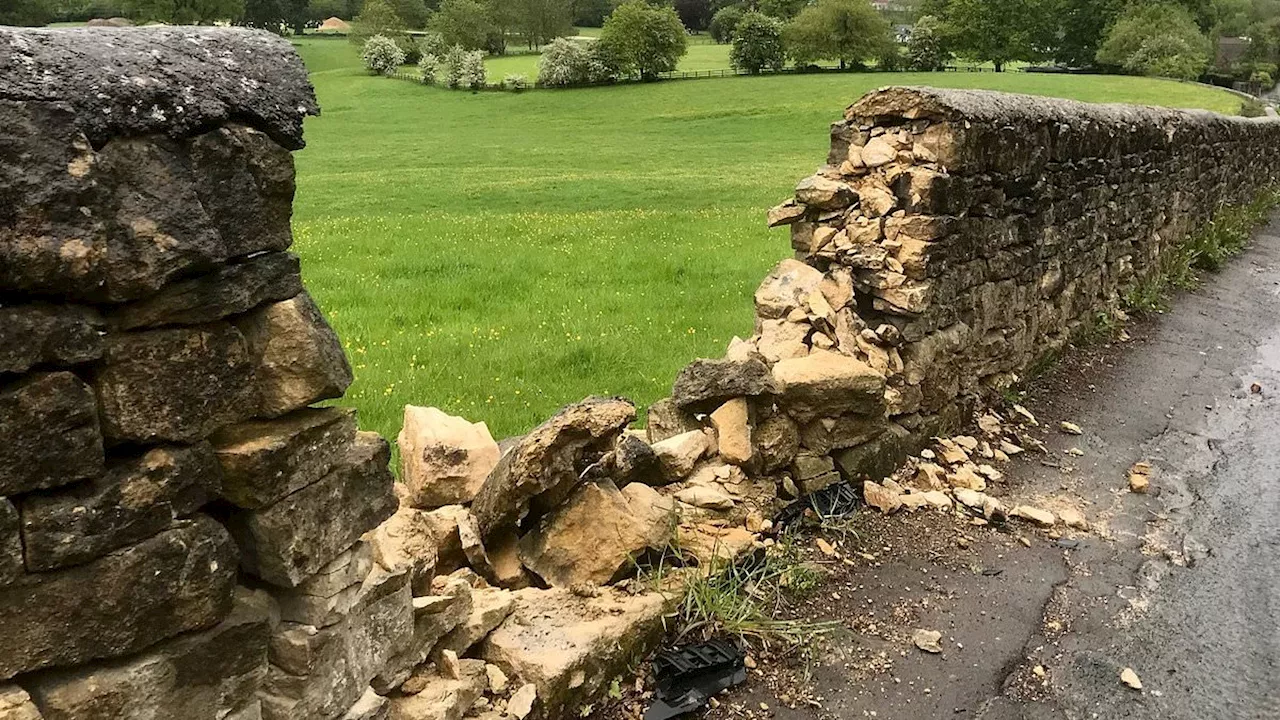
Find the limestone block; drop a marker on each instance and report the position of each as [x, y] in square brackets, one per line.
[570, 647]
[49, 423]
[594, 536]
[827, 384]
[543, 469]
[784, 286]
[444, 698]
[704, 384]
[196, 676]
[245, 181]
[664, 419]
[44, 334]
[418, 541]
[11, 566]
[776, 440]
[370, 706]
[227, 290]
[732, 422]
[824, 193]
[176, 385]
[489, 607]
[320, 673]
[827, 434]
[635, 461]
[326, 597]
[177, 581]
[434, 616]
[677, 455]
[265, 460]
[297, 357]
[289, 541]
[443, 458]
[134, 499]
[15, 704]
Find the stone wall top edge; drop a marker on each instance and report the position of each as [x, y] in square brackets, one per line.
[172, 80]
[912, 102]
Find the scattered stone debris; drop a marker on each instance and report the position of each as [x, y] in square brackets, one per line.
[1070, 428]
[1130, 678]
[1256, 389]
[928, 640]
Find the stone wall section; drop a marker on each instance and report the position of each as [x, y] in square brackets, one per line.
[185, 533]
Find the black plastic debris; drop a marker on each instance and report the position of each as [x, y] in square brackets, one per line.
[992, 572]
[836, 500]
[688, 676]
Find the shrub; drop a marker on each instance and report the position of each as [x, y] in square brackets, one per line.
[643, 39]
[757, 44]
[1252, 108]
[473, 73]
[432, 43]
[429, 66]
[453, 66]
[1262, 77]
[381, 55]
[926, 51]
[724, 22]
[515, 82]
[891, 58]
[564, 63]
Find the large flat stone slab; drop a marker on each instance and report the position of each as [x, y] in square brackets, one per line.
[198, 676]
[175, 385]
[297, 357]
[289, 541]
[319, 673]
[42, 334]
[121, 603]
[49, 422]
[265, 460]
[133, 500]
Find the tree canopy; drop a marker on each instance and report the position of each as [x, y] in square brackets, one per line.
[724, 22]
[757, 44]
[644, 40]
[184, 12]
[1161, 39]
[850, 31]
[1001, 31]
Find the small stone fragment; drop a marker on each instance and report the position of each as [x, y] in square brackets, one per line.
[497, 679]
[678, 455]
[927, 640]
[733, 431]
[1130, 678]
[521, 702]
[1039, 516]
[880, 498]
[1140, 477]
[1070, 428]
[1073, 518]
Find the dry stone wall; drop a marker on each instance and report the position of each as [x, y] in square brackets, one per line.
[184, 533]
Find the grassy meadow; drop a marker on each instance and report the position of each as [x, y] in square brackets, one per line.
[499, 255]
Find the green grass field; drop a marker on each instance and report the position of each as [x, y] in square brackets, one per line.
[499, 255]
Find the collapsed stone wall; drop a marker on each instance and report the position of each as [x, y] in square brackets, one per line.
[184, 533]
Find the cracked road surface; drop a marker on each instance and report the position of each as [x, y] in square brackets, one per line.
[1182, 584]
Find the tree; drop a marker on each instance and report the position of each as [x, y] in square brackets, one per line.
[1160, 39]
[590, 13]
[724, 22]
[464, 23]
[184, 12]
[1081, 26]
[926, 50]
[274, 15]
[377, 17]
[643, 39]
[783, 9]
[541, 21]
[694, 14]
[757, 44]
[1000, 31]
[31, 13]
[850, 31]
[412, 12]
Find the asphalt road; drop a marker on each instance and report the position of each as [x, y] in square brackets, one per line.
[1182, 585]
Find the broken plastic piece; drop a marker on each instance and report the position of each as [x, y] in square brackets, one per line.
[687, 677]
